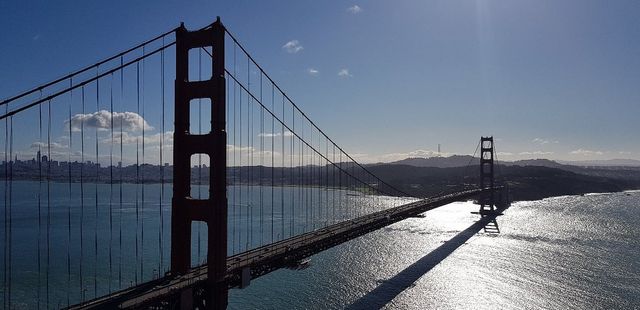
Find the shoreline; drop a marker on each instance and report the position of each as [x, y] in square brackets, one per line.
[539, 195]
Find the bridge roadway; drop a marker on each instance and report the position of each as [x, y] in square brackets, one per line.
[262, 260]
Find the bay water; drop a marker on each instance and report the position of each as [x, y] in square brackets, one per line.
[576, 252]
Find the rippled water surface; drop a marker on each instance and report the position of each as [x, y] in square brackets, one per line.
[576, 252]
[65, 243]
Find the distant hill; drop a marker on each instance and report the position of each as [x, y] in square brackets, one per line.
[464, 160]
[526, 182]
[534, 162]
[604, 163]
[439, 162]
[620, 169]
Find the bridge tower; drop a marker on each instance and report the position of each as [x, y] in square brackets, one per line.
[487, 201]
[185, 210]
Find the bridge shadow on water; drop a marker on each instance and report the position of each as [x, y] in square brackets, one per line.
[389, 289]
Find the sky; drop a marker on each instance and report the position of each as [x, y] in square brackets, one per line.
[384, 79]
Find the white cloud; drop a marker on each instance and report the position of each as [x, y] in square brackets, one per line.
[355, 9]
[292, 47]
[542, 141]
[422, 153]
[43, 146]
[505, 154]
[275, 135]
[149, 140]
[313, 72]
[155, 138]
[235, 148]
[584, 152]
[101, 120]
[537, 153]
[257, 153]
[344, 73]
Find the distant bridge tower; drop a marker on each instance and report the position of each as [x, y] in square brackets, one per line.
[487, 201]
[185, 210]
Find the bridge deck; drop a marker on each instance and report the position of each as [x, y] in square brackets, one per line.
[265, 259]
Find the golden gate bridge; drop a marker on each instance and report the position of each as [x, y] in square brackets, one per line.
[95, 216]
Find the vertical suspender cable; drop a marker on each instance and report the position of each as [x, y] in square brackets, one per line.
[142, 187]
[137, 173]
[261, 166]
[302, 178]
[249, 158]
[273, 131]
[228, 116]
[97, 180]
[341, 192]
[282, 175]
[111, 184]
[333, 187]
[319, 182]
[161, 228]
[69, 202]
[248, 204]
[311, 176]
[316, 183]
[351, 188]
[121, 168]
[10, 206]
[39, 201]
[199, 154]
[82, 197]
[326, 175]
[239, 203]
[291, 153]
[235, 165]
[309, 185]
[5, 291]
[48, 197]
[5, 297]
